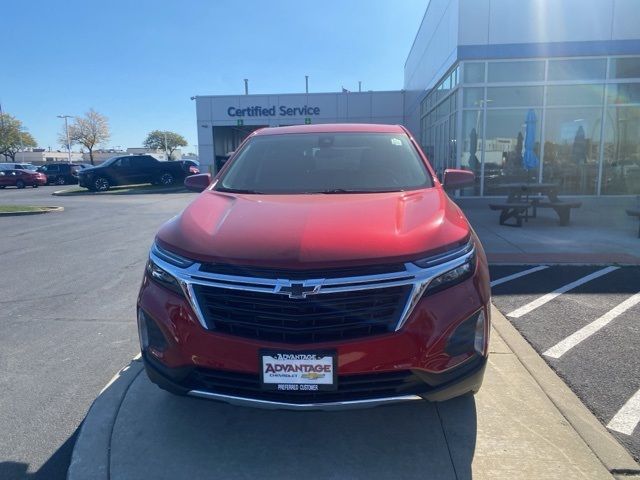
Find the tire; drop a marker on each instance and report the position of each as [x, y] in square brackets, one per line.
[166, 179]
[20, 184]
[61, 181]
[35, 185]
[101, 184]
[2, 186]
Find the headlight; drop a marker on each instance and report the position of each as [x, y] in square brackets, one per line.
[170, 257]
[162, 276]
[452, 277]
[455, 275]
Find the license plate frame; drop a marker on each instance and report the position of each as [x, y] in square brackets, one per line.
[315, 379]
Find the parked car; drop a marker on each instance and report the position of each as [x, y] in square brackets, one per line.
[190, 167]
[21, 178]
[19, 166]
[60, 173]
[325, 267]
[129, 170]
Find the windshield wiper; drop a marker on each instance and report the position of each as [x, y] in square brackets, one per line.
[238, 190]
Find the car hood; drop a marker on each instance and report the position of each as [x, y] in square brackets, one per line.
[303, 231]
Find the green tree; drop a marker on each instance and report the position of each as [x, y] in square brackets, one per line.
[165, 140]
[88, 131]
[13, 136]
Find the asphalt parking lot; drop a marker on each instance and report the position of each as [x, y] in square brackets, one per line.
[67, 309]
[584, 321]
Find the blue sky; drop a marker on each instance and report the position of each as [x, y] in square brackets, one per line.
[139, 61]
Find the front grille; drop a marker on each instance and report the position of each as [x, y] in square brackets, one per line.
[317, 318]
[350, 387]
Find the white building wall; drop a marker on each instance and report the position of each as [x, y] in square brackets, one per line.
[490, 22]
[433, 52]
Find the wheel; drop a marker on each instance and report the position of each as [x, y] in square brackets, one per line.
[2, 186]
[35, 185]
[101, 184]
[60, 181]
[20, 184]
[166, 179]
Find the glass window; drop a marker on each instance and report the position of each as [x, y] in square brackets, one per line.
[470, 155]
[575, 94]
[518, 71]
[625, 67]
[326, 162]
[474, 72]
[623, 93]
[578, 69]
[472, 96]
[621, 169]
[514, 96]
[505, 145]
[572, 149]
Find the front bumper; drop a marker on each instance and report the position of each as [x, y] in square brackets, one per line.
[467, 380]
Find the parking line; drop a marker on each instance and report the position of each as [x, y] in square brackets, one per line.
[538, 302]
[627, 418]
[585, 332]
[508, 278]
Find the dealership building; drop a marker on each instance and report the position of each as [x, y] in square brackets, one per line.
[537, 90]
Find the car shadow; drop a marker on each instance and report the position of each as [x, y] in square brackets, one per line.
[410, 440]
[55, 468]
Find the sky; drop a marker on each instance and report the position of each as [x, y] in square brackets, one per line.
[139, 61]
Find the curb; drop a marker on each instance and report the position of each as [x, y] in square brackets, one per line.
[92, 450]
[32, 212]
[612, 455]
[77, 193]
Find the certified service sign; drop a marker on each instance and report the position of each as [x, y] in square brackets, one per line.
[298, 371]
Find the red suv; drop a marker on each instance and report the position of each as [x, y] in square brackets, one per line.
[324, 267]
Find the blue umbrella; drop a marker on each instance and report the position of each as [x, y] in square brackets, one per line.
[530, 159]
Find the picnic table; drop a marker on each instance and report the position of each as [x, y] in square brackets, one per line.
[523, 197]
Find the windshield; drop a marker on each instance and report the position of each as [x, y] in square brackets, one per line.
[326, 163]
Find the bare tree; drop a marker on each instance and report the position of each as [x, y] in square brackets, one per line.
[88, 131]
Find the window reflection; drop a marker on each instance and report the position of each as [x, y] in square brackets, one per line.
[621, 169]
[504, 148]
[572, 148]
[470, 156]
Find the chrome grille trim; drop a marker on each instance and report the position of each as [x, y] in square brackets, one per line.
[413, 275]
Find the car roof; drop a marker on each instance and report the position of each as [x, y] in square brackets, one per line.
[331, 128]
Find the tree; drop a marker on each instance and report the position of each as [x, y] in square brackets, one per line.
[165, 140]
[88, 131]
[13, 136]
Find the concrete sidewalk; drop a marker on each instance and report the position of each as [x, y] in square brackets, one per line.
[600, 232]
[524, 423]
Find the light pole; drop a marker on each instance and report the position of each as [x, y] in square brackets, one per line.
[166, 146]
[66, 128]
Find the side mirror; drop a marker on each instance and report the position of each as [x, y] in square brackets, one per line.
[197, 183]
[454, 179]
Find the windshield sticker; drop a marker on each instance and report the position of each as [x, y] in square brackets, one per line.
[396, 141]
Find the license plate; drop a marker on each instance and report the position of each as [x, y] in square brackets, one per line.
[298, 371]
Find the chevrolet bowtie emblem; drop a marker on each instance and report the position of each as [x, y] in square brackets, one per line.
[297, 290]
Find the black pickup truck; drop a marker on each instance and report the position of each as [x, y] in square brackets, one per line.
[130, 170]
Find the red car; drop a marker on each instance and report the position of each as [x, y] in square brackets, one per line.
[21, 178]
[324, 267]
